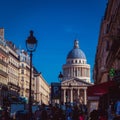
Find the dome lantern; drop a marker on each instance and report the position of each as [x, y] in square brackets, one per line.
[76, 44]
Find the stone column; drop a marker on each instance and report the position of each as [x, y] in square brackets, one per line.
[77, 72]
[64, 97]
[85, 97]
[71, 71]
[71, 95]
[78, 92]
[81, 72]
[68, 72]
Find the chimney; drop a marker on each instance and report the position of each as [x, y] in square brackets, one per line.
[2, 33]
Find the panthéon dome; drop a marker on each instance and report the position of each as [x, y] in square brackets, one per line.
[76, 52]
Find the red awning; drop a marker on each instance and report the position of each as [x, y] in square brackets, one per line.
[100, 89]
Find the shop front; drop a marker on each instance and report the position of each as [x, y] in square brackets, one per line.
[99, 96]
[3, 95]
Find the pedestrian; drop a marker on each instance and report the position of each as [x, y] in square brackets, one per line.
[81, 116]
[94, 115]
[37, 114]
[4, 115]
[103, 115]
[68, 111]
[69, 117]
[75, 113]
[109, 111]
[117, 107]
[43, 113]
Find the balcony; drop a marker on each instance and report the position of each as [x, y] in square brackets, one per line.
[3, 73]
[3, 63]
[114, 51]
[3, 52]
[13, 86]
[103, 69]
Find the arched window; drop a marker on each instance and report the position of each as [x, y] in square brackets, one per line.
[72, 61]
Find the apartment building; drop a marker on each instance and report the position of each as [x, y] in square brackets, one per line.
[107, 60]
[15, 75]
[13, 71]
[3, 70]
[24, 73]
[42, 89]
[108, 49]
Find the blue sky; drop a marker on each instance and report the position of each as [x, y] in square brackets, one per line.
[56, 24]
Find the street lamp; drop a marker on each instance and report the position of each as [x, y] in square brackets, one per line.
[60, 77]
[31, 44]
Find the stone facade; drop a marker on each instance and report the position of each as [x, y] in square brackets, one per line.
[42, 89]
[3, 71]
[13, 71]
[108, 49]
[15, 75]
[76, 77]
[24, 74]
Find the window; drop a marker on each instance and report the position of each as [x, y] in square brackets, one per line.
[107, 28]
[107, 45]
[22, 65]
[22, 71]
[76, 73]
[72, 61]
[22, 78]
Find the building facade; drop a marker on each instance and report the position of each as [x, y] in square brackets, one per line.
[13, 71]
[3, 70]
[15, 76]
[108, 49]
[76, 64]
[42, 89]
[24, 74]
[76, 77]
[107, 60]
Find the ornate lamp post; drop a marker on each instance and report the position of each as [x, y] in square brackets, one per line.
[60, 77]
[31, 44]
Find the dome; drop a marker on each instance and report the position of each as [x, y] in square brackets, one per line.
[76, 52]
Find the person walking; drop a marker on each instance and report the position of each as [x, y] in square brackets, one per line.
[75, 115]
[37, 114]
[94, 115]
[5, 115]
[43, 113]
[81, 116]
[69, 117]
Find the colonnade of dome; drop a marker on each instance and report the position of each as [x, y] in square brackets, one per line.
[76, 64]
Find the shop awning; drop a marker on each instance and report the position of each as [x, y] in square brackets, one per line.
[100, 89]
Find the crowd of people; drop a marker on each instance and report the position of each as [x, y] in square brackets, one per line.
[61, 113]
[66, 112]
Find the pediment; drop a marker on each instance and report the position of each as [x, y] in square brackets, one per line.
[75, 82]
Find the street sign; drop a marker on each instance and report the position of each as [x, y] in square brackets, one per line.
[55, 90]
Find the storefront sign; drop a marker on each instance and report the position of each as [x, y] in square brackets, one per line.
[55, 90]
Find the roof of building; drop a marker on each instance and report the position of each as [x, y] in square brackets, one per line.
[76, 52]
